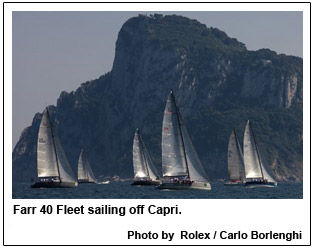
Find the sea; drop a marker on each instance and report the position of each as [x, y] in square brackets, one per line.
[124, 190]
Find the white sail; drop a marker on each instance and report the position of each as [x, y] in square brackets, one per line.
[266, 171]
[51, 158]
[142, 162]
[196, 169]
[178, 154]
[254, 163]
[66, 172]
[235, 159]
[173, 158]
[84, 169]
[150, 166]
[46, 157]
[140, 170]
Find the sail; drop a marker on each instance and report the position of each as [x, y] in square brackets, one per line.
[150, 166]
[265, 169]
[196, 169]
[140, 170]
[235, 159]
[251, 159]
[66, 173]
[173, 158]
[46, 157]
[84, 168]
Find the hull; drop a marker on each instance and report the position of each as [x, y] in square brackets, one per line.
[145, 183]
[183, 186]
[84, 181]
[54, 185]
[260, 184]
[104, 182]
[233, 184]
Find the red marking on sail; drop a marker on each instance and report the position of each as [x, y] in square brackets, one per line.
[166, 128]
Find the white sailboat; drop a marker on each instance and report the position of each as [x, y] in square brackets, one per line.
[181, 166]
[144, 171]
[54, 170]
[255, 168]
[85, 174]
[235, 160]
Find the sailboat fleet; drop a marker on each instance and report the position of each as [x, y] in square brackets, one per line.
[181, 166]
[247, 169]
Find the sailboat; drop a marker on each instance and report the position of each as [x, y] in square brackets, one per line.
[235, 160]
[85, 174]
[54, 170]
[144, 171]
[255, 168]
[181, 166]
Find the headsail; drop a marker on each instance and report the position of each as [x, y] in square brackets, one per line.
[140, 169]
[84, 169]
[235, 159]
[178, 154]
[254, 163]
[196, 169]
[142, 163]
[51, 158]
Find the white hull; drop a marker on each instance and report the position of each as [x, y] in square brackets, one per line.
[104, 182]
[183, 186]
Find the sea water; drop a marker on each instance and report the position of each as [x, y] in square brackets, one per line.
[124, 190]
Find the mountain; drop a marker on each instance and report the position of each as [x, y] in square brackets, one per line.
[218, 84]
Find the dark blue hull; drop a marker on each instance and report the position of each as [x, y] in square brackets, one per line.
[253, 184]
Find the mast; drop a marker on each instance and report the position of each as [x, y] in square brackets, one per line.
[52, 132]
[179, 122]
[143, 151]
[257, 150]
[236, 141]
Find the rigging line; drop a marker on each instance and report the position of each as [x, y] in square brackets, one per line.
[52, 132]
[254, 137]
[179, 121]
[140, 138]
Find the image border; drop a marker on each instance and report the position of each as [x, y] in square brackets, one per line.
[3, 213]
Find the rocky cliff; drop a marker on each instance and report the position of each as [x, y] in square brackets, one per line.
[218, 84]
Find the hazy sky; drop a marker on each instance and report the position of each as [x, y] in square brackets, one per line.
[56, 51]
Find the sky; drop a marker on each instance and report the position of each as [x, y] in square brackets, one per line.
[58, 51]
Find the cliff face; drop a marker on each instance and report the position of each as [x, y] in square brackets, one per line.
[217, 82]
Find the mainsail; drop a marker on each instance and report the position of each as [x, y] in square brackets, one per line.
[142, 163]
[254, 163]
[51, 158]
[179, 157]
[84, 168]
[235, 159]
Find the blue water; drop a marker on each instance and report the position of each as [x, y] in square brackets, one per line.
[123, 190]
